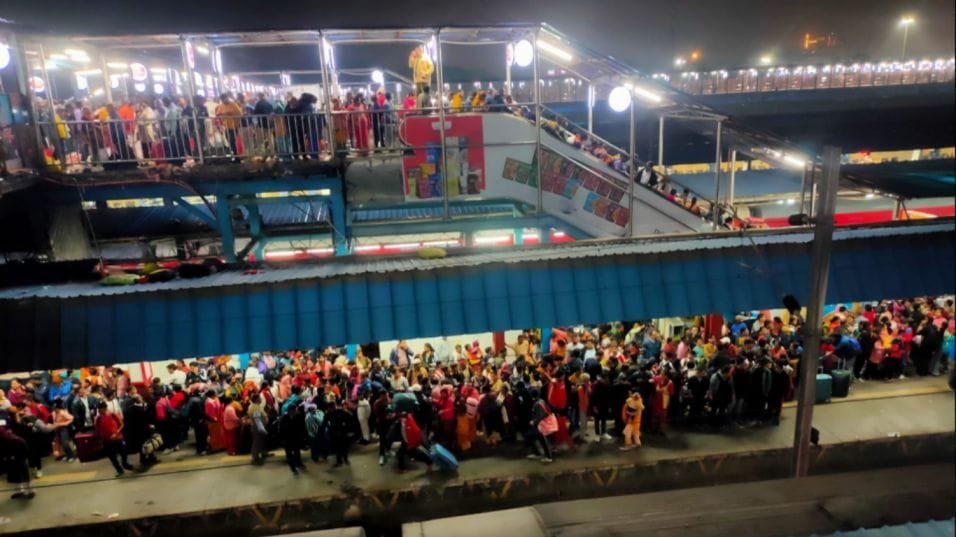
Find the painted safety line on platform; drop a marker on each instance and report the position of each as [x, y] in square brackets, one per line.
[62, 478]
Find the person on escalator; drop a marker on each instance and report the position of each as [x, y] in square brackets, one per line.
[647, 176]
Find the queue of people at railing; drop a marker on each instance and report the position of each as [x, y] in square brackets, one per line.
[175, 129]
[611, 383]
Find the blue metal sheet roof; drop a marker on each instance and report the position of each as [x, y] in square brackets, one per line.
[933, 528]
[427, 212]
[364, 299]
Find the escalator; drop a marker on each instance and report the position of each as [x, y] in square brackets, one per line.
[491, 155]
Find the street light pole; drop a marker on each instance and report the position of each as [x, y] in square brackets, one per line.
[812, 325]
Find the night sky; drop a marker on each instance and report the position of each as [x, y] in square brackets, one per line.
[730, 33]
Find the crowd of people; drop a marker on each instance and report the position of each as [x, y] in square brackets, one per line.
[609, 383]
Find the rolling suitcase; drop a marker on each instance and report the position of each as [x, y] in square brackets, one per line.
[443, 458]
[824, 388]
[88, 447]
[841, 382]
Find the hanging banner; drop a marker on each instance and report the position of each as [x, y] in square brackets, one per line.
[464, 143]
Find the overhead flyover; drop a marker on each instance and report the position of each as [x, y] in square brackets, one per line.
[356, 299]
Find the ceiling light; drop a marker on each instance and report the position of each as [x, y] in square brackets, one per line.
[619, 99]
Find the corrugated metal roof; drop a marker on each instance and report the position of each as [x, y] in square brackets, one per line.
[145, 221]
[357, 265]
[294, 213]
[427, 212]
[363, 299]
[933, 528]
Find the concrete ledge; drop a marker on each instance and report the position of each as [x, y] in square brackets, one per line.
[389, 508]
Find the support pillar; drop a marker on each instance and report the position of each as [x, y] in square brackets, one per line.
[807, 178]
[591, 97]
[191, 86]
[255, 229]
[440, 95]
[544, 235]
[632, 171]
[107, 86]
[820, 260]
[660, 142]
[340, 231]
[224, 216]
[733, 176]
[715, 208]
[46, 80]
[519, 236]
[539, 206]
[23, 77]
[325, 51]
[898, 209]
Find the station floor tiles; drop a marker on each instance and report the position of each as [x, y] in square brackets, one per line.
[73, 493]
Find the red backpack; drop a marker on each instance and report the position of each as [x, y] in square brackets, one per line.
[557, 395]
[413, 433]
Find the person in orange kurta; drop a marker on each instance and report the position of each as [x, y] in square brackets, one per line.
[663, 391]
[631, 413]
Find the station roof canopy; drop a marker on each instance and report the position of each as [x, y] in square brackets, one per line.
[358, 300]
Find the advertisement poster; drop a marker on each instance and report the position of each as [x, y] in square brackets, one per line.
[601, 196]
[422, 168]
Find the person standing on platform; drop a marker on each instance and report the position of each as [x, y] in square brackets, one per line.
[196, 416]
[136, 426]
[316, 432]
[109, 429]
[259, 427]
[721, 394]
[231, 424]
[213, 414]
[292, 434]
[780, 385]
[63, 422]
[340, 426]
[13, 456]
[631, 416]
[663, 392]
[698, 385]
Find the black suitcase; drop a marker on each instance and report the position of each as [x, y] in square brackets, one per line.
[841, 382]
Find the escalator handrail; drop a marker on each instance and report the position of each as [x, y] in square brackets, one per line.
[591, 135]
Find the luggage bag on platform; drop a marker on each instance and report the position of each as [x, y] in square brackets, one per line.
[88, 447]
[443, 458]
[824, 388]
[841, 382]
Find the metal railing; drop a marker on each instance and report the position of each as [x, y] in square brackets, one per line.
[77, 144]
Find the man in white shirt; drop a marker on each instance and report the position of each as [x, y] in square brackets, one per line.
[176, 376]
[444, 352]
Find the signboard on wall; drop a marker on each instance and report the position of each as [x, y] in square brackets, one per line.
[423, 171]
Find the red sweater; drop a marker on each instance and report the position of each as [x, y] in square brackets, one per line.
[107, 427]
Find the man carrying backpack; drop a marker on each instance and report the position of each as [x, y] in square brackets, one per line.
[413, 442]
